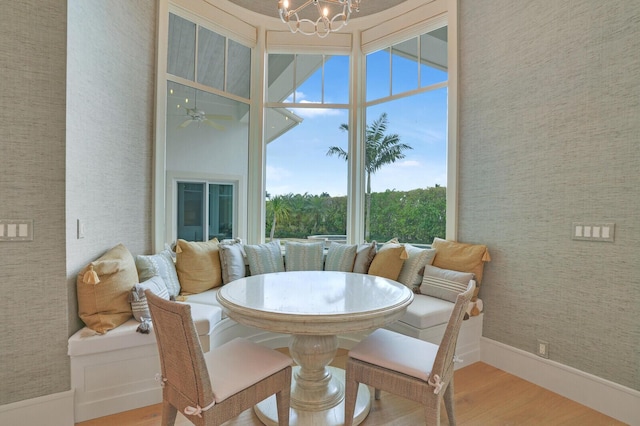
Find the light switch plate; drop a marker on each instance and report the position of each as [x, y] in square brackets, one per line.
[593, 231]
[16, 229]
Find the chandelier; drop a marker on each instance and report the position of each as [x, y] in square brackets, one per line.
[331, 15]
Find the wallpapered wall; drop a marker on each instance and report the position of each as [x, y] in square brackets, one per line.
[108, 111]
[33, 306]
[550, 120]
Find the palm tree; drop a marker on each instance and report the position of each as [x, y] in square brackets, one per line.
[280, 210]
[380, 149]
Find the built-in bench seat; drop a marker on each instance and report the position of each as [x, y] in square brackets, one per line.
[115, 371]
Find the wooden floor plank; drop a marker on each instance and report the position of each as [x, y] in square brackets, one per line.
[484, 396]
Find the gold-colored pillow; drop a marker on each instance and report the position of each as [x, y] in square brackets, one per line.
[198, 265]
[461, 257]
[388, 261]
[103, 290]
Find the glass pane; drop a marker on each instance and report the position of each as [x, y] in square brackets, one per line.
[220, 211]
[182, 47]
[190, 211]
[211, 49]
[306, 188]
[280, 77]
[404, 66]
[378, 78]
[239, 70]
[206, 133]
[336, 79]
[433, 54]
[408, 191]
[308, 78]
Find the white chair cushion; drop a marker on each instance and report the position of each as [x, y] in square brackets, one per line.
[238, 364]
[395, 351]
[426, 311]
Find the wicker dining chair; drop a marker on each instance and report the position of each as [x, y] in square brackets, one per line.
[408, 367]
[211, 388]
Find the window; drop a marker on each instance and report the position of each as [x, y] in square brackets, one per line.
[406, 140]
[205, 210]
[305, 188]
[206, 133]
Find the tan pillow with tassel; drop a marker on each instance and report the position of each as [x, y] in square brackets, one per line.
[389, 260]
[103, 290]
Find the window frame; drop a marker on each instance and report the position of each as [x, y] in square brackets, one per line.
[366, 35]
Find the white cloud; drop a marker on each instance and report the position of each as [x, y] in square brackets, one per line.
[277, 174]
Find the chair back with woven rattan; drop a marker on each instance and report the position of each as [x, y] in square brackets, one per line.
[183, 368]
[443, 364]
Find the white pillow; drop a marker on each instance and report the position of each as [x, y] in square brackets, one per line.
[264, 258]
[303, 256]
[340, 257]
[232, 260]
[161, 264]
[410, 274]
[138, 299]
[444, 284]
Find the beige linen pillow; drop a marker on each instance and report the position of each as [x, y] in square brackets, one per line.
[444, 283]
[232, 260]
[389, 260]
[103, 289]
[461, 257]
[198, 265]
[411, 272]
[364, 256]
[340, 257]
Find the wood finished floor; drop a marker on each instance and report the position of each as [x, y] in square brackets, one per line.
[484, 396]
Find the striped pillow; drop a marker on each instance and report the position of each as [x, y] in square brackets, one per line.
[304, 256]
[444, 284]
[264, 258]
[138, 299]
[340, 257]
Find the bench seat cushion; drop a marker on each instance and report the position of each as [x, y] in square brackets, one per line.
[426, 311]
[86, 341]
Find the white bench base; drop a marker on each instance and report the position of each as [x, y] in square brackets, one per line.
[113, 381]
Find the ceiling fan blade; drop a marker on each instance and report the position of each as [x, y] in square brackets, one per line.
[185, 123]
[214, 125]
[219, 117]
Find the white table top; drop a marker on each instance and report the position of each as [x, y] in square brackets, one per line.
[315, 302]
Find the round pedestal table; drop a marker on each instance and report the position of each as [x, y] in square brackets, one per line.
[315, 307]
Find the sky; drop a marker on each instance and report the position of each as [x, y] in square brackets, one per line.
[298, 163]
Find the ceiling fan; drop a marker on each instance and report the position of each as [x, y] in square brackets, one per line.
[195, 115]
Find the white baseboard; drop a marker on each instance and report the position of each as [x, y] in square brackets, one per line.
[607, 397]
[51, 410]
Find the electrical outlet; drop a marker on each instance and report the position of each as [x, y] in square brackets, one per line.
[543, 349]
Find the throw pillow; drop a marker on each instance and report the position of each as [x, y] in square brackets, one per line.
[461, 257]
[198, 265]
[388, 260]
[138, 299]
[444, 284]
[340, 257]
[161, 264]
[364, 256]
[232, 261]
[411, 272]
[103, 290]
[264, 258]
[303, 256]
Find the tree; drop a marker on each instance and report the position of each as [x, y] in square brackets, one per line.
[279, 207]
[380, 149]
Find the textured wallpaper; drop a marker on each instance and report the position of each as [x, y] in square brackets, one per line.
[110, 107]
[33, 306]
[549, 135]
[77, 142]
